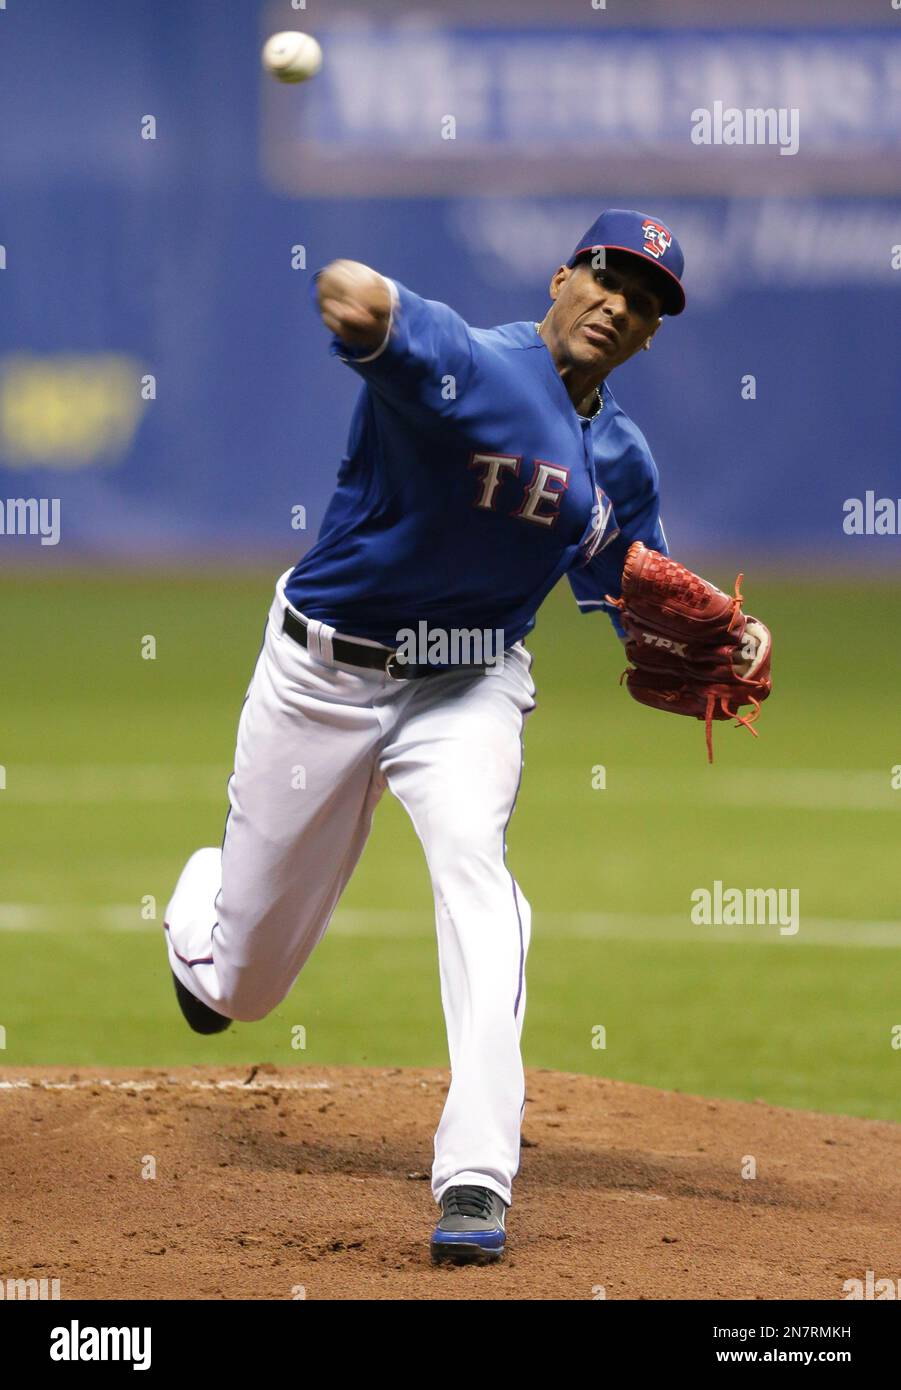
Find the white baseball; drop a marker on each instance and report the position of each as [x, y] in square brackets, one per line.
[292, 57]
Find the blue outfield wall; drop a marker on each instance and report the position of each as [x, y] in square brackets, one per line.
[162, 371]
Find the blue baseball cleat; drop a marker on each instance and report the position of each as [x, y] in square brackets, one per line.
[471, 1228]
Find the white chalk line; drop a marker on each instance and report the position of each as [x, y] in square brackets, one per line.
[807, 789]
[90, 783]
[274, 1084]
[638, 927]
[572, 926]
[47, 917]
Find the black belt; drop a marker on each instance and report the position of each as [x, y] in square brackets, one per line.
[373, 658]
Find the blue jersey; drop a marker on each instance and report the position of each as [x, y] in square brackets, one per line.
[471, 485]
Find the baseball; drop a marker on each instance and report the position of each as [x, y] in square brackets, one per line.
[292, 57]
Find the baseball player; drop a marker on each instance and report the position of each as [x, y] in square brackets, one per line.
[482, 465]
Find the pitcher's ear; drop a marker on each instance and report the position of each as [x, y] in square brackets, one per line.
[558, 280]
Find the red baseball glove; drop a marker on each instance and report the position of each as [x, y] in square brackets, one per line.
[693, 650]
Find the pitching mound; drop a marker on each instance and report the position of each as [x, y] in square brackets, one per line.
[314, 1182]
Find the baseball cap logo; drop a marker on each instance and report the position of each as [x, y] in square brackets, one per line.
[657, 239]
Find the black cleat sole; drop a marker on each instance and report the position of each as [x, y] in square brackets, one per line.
[199, 1016]
[463, 1254]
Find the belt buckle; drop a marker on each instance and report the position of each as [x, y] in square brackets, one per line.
[391, 668]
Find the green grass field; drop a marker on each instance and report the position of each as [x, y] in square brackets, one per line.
[115, 770]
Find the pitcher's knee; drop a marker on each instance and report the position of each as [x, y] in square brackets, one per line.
[258, 955]
[471, 851]
[245, 999]
[252, 1012]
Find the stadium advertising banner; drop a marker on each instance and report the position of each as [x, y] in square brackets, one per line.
[517, 111]
[159, 358]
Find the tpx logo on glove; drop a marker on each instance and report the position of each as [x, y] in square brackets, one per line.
[677, 648]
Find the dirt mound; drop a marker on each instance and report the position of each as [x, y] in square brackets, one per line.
[313, 1182]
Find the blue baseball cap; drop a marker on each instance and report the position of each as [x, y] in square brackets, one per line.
[619, 229]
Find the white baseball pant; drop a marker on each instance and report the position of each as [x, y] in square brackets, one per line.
[317, 743]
